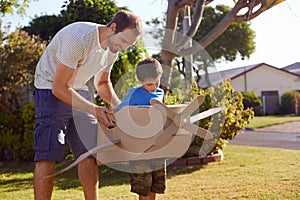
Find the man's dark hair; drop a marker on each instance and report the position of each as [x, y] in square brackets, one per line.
[126, 20]
[148, 68]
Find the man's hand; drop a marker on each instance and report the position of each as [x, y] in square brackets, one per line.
[105, 116]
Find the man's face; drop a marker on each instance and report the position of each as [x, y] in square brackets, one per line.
[121, 40]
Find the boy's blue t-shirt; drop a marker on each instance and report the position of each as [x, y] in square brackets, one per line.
[138, 96]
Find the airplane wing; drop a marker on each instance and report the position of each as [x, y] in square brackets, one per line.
[86, 155]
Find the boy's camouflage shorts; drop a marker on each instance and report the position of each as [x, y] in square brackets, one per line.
[146, 182]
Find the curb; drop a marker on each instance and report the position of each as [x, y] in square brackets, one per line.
[196, 160]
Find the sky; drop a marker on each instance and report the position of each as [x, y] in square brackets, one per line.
[277, 30]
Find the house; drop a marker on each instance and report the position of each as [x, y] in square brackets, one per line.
[295, 68]
[267, 82]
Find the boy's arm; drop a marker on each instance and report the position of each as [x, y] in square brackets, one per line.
[127, 100]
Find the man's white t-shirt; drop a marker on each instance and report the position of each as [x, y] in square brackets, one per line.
[77, 46]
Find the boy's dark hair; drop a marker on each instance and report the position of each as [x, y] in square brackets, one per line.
[127, 20]
[148, 68]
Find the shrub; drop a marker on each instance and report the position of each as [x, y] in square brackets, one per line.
[290, 102]
[16, 135]
[224, 125]
[10, 138]
[28, 117]
[250, 100]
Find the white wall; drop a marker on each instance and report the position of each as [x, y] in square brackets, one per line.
[266, 78]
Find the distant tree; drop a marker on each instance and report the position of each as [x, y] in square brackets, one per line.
[9, 6]
[238, 39]
[44, 26]
[98, 11]
[19, 54]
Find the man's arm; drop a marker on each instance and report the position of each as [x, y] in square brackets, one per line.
[67, 94]
[105, 89]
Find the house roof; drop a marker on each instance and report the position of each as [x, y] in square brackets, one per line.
[218, 77]
[293, 68]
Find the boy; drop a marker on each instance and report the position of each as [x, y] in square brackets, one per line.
[146, 184]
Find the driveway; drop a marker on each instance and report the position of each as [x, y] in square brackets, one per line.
[285, 136]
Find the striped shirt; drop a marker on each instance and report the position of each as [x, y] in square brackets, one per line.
[78, 47]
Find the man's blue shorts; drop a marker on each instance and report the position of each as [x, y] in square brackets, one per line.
[57, 123]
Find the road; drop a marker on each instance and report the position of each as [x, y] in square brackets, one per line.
[285, 136]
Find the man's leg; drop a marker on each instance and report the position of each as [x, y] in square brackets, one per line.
[52, 117]
[43, 186]
[80, 142]
[88, 176]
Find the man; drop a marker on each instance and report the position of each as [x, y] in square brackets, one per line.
[77, 53]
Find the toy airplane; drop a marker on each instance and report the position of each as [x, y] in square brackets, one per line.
[149, 132]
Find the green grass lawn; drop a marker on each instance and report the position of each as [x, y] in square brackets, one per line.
[264, 121]
[245, 173]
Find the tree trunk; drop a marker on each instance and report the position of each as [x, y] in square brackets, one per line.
[168, 42]
[170, 49]
[167, 65]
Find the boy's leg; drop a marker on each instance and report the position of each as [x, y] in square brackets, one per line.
[158, 177]
[144, 197]
[152, 196]
[43, 186]
[140, 181]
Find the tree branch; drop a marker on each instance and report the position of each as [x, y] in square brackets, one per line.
[264, 5]
[171, 24]
[215, 32]
[196, 20]
[182, 3]
[249, 14]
